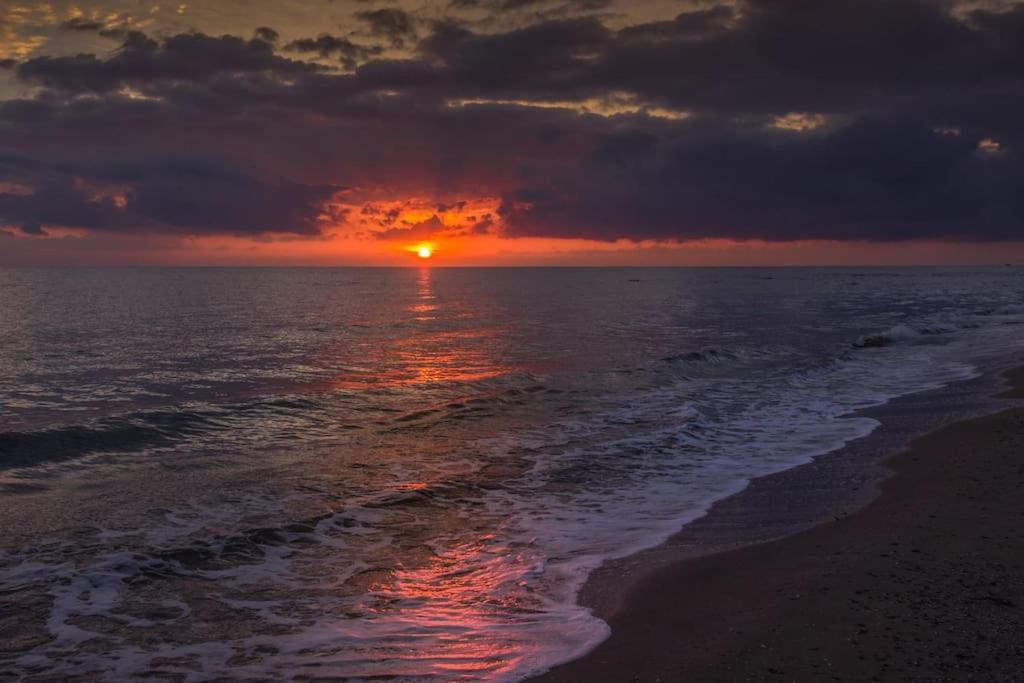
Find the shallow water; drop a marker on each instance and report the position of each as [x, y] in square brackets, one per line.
[409, 473]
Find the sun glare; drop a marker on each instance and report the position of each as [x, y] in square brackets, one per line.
[424, 252]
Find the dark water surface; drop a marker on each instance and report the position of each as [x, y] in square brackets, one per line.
[409, 473]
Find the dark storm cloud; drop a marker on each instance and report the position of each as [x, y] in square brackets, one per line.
[549, 59]
[202, 197]
[854, 119]
[177, 195]
[143, 62]
[266, 34]
[878, 179]
[396, 25]
[540, 8]
[55, 203]
[910, 88]
[842, 56]
[350, 54]
[82, 24]
[423, 230]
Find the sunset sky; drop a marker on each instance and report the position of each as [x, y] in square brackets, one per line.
[511, 132]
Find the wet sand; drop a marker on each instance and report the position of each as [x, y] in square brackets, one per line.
[924, 583]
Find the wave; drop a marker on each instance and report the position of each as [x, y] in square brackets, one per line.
[129, 434]
[322, 415]
[903, 333]
[704, 356]
[133, 432]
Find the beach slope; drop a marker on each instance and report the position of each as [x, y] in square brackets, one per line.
[924, 583]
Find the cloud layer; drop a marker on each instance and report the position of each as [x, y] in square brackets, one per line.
[767, 119]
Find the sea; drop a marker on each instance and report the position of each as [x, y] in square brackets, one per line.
[408, 474]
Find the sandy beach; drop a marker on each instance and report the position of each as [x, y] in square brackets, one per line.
[924, 583]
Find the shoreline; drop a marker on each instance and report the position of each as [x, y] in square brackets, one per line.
[728, 579]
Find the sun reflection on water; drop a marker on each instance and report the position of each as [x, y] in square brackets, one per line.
[446, 343]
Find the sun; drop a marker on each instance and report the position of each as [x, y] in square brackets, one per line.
[422, 250]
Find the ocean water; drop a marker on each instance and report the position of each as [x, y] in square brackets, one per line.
[361, 473]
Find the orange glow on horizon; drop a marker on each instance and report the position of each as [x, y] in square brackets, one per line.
[481, 250]
[430, 231]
